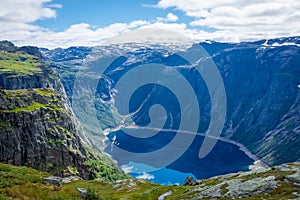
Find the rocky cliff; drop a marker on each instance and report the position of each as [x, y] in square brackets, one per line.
[37, 126]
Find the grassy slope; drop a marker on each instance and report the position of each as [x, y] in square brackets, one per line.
[21, 94]
[26, 183]
[18, 64]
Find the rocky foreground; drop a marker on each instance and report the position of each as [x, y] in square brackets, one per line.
[280, 182]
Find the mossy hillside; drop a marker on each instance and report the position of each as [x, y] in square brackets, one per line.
[100, 165]
[19, 64]
[26, 183]
[12, 175]
[28, 100]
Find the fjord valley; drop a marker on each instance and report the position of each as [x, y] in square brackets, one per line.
[58, 117]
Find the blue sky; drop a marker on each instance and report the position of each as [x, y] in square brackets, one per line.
[102, 13]
[64, 23]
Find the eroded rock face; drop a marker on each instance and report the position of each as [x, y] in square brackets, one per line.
[37, 126]
[38, 131]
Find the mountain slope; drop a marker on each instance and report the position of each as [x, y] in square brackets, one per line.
[261, 81]
[38, 128]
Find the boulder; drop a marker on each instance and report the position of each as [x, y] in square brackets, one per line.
[53, 180]
[70, 179]
[82, 192]
[163, 196]
[189, 181]
[294, 178]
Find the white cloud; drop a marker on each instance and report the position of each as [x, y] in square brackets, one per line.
[26, 10]
[228, 20]
[236, 20]
[169, 18]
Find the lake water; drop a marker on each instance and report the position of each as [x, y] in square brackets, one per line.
[224, 158]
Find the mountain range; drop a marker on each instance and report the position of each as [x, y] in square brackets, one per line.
[261, 80]
[57, 107]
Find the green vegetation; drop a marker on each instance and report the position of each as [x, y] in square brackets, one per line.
[3, 125]
[17, 64]
[28, 108]
[279, 175]
[26, 183]
[28, 100]
[44, 92]
[11, 175]
[27, 92]
[99, 169]
[73, 170]
[102, 166]
[92, 195]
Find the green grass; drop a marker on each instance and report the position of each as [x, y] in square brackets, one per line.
[17, 64]
[279, 175]
[26, 92]
[12, 175]
[26, 183]
[29, 108]
[44, 92]
[54, 100]
[3, 125]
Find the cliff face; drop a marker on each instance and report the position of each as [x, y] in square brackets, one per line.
[37, 126]
[37, 131]
[261, 81]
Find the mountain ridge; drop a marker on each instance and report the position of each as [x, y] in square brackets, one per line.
[253, 73]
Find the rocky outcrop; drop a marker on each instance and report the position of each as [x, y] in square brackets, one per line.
[37, 131]
[294, 178]
[9, 47]
[37, 126]
[189, 181]
[53, 180]
[263, 182]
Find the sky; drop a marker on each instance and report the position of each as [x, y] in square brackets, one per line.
[65, 23]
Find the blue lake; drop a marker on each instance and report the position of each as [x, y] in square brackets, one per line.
[224, 158]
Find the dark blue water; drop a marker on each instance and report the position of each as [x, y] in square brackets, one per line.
[224, 158]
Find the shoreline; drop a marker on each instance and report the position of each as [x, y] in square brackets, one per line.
[256, 164]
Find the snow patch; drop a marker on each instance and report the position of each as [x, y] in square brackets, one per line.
[276, 44]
